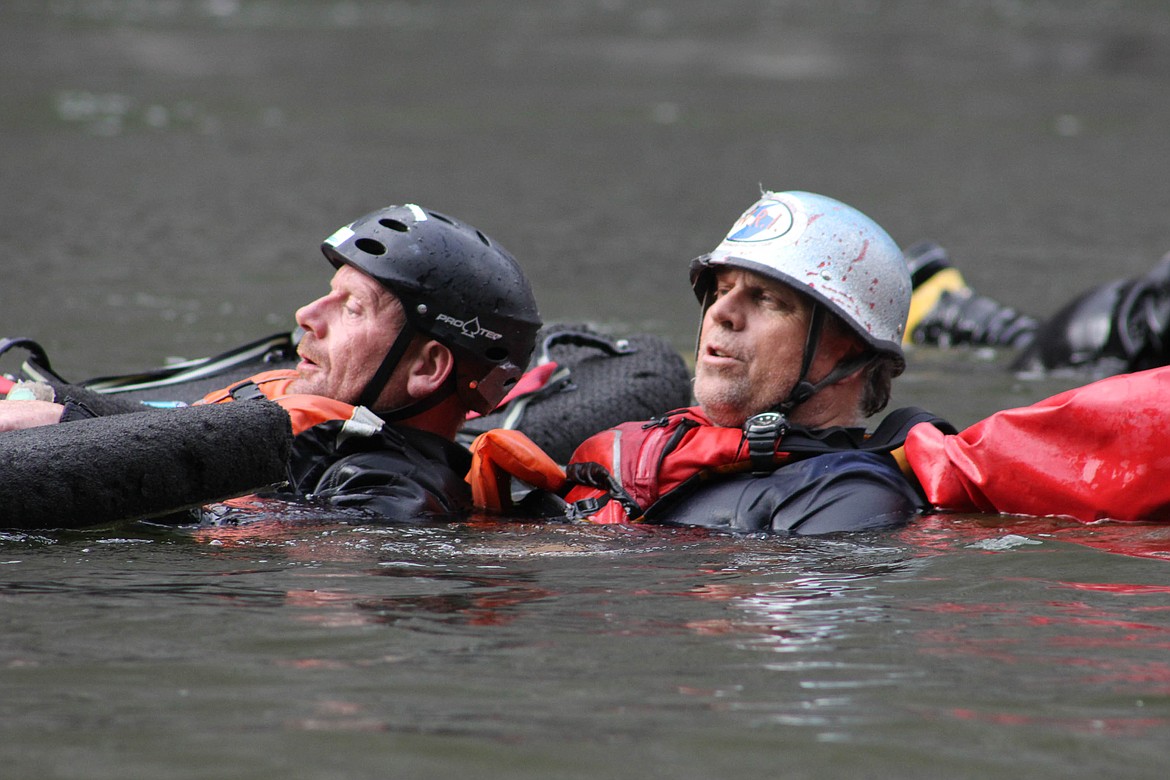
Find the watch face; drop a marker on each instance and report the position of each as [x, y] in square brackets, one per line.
[762, 420]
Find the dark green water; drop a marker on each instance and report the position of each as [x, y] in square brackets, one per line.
[969, 651]
[168, 169]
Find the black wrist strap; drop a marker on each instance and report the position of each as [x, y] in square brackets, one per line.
[763, 431]
[76, 410]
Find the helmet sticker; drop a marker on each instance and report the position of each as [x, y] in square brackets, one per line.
[419, 214]
[340, 237]
[768, 219]
[469, 328]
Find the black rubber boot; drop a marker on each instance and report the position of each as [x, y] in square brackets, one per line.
[944, 311]
[1113, 328]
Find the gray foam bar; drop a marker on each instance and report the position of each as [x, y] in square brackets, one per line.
[139, 465]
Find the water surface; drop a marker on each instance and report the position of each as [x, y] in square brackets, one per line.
[169, 170]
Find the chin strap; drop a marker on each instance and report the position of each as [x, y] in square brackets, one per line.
[377, 383]
[431, 401]
[804, 389]
[763, 431]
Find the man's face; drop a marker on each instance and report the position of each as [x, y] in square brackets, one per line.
[347, 334]
[752, 345]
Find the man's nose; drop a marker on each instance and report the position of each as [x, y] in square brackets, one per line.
[308, 316]
[726, 310]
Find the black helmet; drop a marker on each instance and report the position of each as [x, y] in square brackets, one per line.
[456, 285]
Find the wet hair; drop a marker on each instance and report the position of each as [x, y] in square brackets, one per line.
[879, 377]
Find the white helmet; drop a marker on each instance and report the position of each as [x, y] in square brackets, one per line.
[833, 253]
[830, 251]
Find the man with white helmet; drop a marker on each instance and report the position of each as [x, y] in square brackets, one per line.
[830, 287]
[804, 306]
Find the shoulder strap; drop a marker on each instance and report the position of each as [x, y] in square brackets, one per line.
[892, 430]
[305, 411]
[890, 433]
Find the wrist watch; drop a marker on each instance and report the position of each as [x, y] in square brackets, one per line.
[762, 432]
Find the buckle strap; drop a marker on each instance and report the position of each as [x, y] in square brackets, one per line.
[595, 475]
[245, 391]
[582, 510]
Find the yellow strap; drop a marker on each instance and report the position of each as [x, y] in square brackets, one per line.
[899, 456]
[926, 296]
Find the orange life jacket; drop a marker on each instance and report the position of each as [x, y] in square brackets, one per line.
[303, 409]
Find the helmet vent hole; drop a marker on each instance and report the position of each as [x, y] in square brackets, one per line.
[370, 246]
[394, 224]
[496, 354]
[441, 217]
[483, 238]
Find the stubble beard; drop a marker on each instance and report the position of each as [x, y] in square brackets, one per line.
[724, 399]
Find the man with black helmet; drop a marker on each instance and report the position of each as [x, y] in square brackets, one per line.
[426, 320]
[804, 305]
[453, 284]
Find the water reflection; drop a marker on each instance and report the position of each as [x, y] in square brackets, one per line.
[942, 533]
[440, 576]
[530, 632]
[483, 600]
[111, 588]
[192, 150]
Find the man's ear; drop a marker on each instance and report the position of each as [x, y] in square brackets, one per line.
[430, 367]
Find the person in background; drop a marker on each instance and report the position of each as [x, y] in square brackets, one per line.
[1116, 327]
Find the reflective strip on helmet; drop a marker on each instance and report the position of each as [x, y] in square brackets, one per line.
[419, 214]
[340, 237]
